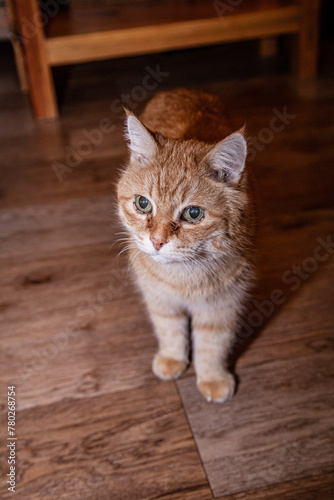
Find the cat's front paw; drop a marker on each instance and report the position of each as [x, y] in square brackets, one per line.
[219, 390]
[168, 368]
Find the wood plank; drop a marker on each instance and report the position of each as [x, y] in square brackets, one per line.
[49, 164]
[142, 40]
[318, 487]
[135, 444]
[105, 348]
[49, 224]
[270, 432]
[89, 16]
[291, 331]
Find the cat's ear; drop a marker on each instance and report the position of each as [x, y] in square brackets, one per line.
[142, 144]
[227, 159]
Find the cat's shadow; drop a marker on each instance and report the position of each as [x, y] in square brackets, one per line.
[273, 276]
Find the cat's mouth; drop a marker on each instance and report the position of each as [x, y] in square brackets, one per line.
[171, 255]
[161, 256]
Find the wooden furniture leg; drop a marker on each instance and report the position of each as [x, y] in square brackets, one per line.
[41, 87]
[308, 39]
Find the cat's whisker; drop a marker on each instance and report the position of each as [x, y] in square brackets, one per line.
[118, 241]
[134, 256]
[122, 232]
[123, 250]
[126, 248]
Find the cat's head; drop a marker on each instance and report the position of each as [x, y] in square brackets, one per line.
[180, 200]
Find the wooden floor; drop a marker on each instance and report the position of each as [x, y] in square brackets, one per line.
[92, 421]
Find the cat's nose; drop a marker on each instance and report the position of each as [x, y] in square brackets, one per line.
[158, 241]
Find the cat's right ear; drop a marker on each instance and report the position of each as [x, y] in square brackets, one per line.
[228, 157]
[141, 143]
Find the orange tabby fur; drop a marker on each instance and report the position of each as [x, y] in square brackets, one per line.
[190, 271]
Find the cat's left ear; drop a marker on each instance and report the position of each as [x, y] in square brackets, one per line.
[227, 159]
[142, 144]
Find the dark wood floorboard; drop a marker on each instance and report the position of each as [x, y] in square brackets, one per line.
[317, 487]
[93, 422]
[280, 435]
[132, 444]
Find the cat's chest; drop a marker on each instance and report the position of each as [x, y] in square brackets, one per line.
[178, 281]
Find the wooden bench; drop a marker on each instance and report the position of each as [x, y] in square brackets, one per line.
[94, 31]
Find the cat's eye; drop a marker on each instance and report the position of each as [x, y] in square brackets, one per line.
[193, 214]
[143, 204]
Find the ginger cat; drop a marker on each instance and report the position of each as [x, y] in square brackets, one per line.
[184, 200]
